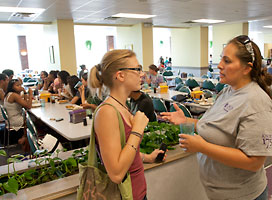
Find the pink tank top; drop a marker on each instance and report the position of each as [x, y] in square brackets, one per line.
[136, 170]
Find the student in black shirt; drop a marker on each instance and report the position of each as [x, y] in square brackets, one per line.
[140, 101]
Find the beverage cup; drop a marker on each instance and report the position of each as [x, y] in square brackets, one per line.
[42, 102]
[187, 128]
[52, 99]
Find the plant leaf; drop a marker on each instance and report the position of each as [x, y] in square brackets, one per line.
[11, 186]
[3, 153]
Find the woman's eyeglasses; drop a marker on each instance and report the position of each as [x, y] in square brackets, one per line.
[245, 40]
[138, 69]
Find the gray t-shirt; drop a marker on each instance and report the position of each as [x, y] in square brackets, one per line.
[239, 119]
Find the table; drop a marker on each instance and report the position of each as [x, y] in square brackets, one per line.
[70, 131]
[167, 97]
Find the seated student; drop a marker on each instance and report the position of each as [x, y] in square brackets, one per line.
[154, 78]
[14, 103]
[9, 73]
[83, 91]
[43, 82]
[3, 88]
[64, 90]
[54, 82]
[71, 82]
[140, 101]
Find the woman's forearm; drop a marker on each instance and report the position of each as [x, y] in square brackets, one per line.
[233, 157]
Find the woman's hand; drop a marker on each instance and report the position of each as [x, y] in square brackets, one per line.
[176, 118]
[154, 154]
[192, 143]
[139, 122]
[81, 89]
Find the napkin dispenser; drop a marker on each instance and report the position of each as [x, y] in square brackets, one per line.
[77, 116]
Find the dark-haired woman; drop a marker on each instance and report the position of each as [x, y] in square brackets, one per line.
[43, 82]
[14, 103]
[64, 89]
[235, 133]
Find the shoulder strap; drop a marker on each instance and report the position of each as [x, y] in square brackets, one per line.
[92, 157]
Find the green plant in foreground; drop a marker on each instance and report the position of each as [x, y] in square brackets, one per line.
[47, 168]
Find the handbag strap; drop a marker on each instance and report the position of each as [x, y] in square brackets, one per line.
[92, 156]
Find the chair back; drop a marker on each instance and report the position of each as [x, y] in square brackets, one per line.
[185, 89]
[204, 76]
[219, 87]
[207, 84]
[159, 105]
[32, 135]
[4, 112]
[178, 80]
[186, 112]
[191, 83]
[167, 73]
[179, 86]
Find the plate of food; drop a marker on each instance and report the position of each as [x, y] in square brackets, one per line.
[73, 107]
[62, 101]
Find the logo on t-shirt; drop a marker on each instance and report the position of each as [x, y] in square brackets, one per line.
[267, 140]
[228, 107]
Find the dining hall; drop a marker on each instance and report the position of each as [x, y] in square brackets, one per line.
[136, 99]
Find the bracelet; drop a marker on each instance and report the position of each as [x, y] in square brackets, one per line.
[136, 134]
[132, 146]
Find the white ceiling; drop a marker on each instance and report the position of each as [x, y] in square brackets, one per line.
[168, 12]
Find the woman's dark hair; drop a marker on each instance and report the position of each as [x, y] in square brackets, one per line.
[268, 62]
[10, 86]
[85, 76]
[3, 77]
[257, 74]
[8, 72]
[63, 76]
[72, 81]
[54, 73]
[45, 73]
[154, 68]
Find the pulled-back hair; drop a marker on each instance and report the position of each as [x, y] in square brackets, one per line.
[257, 74]
[103, 73]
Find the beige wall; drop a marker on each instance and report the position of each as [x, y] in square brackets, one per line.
[190, 47]
[267, 50]
[60, 35]
[204, 47]
[67, 46]
[147, 45]
[141, 38]
[223, 33]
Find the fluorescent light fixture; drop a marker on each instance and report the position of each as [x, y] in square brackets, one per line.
[269, 26]
[130, 15]
[208, 21]
[21, 10]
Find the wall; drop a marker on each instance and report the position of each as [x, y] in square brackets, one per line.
[185, 47]
[127, 36]
[51, 34]
[222, 34]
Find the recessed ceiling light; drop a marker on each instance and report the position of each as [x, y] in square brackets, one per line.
[270, 26]
[208, 21]
[21, 9]
[130, 15]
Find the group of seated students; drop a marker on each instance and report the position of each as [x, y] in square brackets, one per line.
[14, 97]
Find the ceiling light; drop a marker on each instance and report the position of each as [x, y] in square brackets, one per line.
[270, 26]
[130, 15]
[208, 21]
[22, 10]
